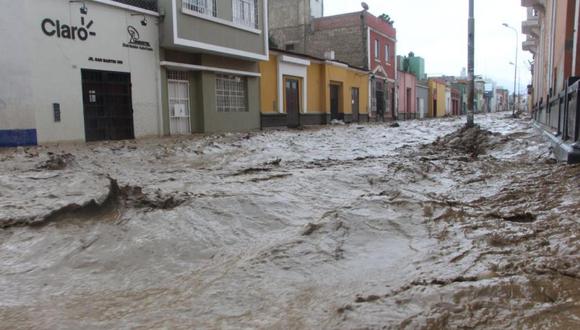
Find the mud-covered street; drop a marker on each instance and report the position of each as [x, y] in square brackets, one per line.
[420, 226]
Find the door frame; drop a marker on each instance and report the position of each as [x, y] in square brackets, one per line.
[285, 78]
[129, 84]
[178, 81]
[340, 110]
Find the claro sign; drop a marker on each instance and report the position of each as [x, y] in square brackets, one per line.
[54, 28]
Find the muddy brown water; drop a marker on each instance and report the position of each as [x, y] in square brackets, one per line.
[356, 227]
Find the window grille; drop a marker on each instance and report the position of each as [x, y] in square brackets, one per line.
[246, 12]
[206, 7]
[177, 75]
[145, 4]
[231, 94]
[179, 102]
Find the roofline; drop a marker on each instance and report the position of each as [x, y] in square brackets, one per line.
[317, 59]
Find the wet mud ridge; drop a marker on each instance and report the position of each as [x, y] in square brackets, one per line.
[428, 225]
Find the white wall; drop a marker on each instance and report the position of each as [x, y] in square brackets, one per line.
[16, 56]
[295, 67]
[47, 69]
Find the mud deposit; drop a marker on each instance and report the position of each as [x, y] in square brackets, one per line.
[424, 226]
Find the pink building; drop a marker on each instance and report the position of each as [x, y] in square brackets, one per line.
[407, 96]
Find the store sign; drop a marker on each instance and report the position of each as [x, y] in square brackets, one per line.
[135, 40]
[54, 28]
[105, 60]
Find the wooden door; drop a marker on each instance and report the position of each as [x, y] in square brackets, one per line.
[334, 102]
[292, 102]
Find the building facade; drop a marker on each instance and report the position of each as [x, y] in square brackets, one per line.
[209, 56]
[359, 39]
[407, 96]
[437, 98]
[422, 99]
[123, 69]
[299, 90]
[552, 29]
[78, 71]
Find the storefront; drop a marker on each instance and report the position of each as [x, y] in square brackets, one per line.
[78, 71]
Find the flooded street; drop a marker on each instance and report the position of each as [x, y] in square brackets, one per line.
[343, 227]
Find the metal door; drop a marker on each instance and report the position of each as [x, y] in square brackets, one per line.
[334, 102]
[355, 104]
[293, 102]
[108, 109]
[179, 107]
[380, 95]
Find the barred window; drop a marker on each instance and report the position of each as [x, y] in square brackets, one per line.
[246, 12]
[206, 7]
[231, 93]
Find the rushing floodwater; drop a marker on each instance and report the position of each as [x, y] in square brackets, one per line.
[347, 227]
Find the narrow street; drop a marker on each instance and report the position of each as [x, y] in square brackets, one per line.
[345, 227]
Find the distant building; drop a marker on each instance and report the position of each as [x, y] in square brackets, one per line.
[299, 90]
[422, 99]
[413, 64]
[407, 96]
[437, 97]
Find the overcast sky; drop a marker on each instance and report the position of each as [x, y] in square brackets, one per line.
[437, 31]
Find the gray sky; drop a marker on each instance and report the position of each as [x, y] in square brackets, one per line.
[437, 31]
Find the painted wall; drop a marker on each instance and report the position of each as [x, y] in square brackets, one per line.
[38, 70]
[215, 121]
[316, 94]
[349, 79]
[422, 100]
[269, 85]
[437, 91]
[407, 81]
[316, 79]
[213, 34]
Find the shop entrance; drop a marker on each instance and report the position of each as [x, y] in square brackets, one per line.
[108, 108]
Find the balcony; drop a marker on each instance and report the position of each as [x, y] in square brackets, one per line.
[530, 45]
[537, 4]
[531, 26]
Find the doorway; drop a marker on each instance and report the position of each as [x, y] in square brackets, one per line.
[335, 113]
[355, 104]
[292, 102]
[108, 106]
[179, 103]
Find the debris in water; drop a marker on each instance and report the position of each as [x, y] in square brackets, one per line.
[56, 162]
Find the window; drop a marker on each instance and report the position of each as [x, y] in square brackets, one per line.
[387, 54]
[246, 12]
[206, 7]
[377, 50]
[289, 47]
[231, 93]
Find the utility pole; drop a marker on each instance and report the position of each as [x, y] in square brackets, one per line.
[471, 64]
[515, 64]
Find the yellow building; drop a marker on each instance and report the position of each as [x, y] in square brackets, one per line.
[437, 98]
[298, 90]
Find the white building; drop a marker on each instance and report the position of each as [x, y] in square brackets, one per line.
[78, 71]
